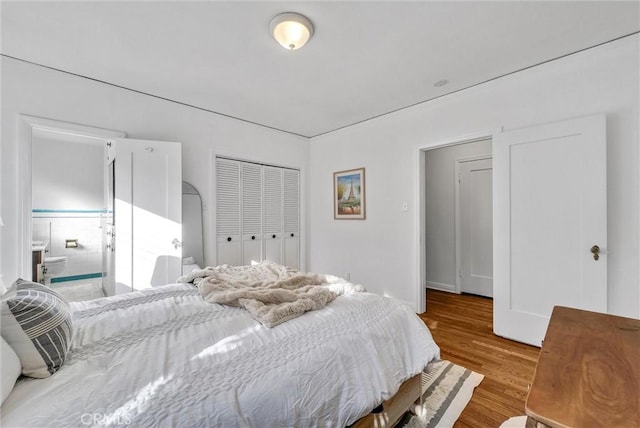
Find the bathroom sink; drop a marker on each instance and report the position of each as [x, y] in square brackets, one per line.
[39, 245]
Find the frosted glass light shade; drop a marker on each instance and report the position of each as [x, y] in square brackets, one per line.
[291, 30]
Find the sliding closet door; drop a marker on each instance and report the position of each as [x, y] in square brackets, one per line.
[291, 238]
[272, 205]
[228, 209]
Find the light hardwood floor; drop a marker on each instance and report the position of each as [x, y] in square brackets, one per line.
[463, 328]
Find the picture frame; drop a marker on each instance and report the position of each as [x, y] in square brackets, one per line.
[349, 195]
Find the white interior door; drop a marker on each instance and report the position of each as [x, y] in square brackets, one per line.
[550, 211]
[148, 213]
[475, 227]
[107, 224]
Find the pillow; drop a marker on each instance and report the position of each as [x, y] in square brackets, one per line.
[11, 368]
[36, 323]
[189, 265]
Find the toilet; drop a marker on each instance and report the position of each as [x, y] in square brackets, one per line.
[54, 266]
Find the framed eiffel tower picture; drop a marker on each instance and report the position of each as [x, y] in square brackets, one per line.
[349, 195]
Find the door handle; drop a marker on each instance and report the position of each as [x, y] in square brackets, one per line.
[595, 250]
[176, 243]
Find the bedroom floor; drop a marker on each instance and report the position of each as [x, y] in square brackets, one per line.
[463, 328]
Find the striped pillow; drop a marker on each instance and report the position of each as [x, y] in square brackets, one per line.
[36, 322]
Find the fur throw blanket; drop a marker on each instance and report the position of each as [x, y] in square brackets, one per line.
[267, 270]
[271, 293]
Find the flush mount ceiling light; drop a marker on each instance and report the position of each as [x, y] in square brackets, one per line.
[291, 30]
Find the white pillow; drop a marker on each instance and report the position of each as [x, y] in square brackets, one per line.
[36, 322]
[11, 368]
[189, 265]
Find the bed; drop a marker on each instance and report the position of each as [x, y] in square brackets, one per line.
[165, 357]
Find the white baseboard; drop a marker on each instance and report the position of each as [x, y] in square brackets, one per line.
[441, 286]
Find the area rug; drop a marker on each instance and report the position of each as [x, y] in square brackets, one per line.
[446, 390]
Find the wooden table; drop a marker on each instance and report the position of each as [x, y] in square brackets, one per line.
[588, 372]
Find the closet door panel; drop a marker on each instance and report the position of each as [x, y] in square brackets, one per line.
[291, 218]
[229, 252]
[273, 248]
[228, 211]
[272, 208]
[251, 250]
[251, 213]
[272, 200]
[292, 252]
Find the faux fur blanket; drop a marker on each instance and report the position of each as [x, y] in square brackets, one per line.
[271, 293]
[265, 270]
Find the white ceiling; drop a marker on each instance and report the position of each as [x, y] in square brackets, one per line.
[365, 59]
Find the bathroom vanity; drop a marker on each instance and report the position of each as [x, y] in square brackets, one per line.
[38, 249]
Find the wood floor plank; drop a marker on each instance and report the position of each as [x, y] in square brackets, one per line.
[462, 325]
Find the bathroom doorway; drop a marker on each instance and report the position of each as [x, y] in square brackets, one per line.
[68, 204]
[149, 223]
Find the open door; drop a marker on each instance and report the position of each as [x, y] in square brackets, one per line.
[107, 225]
[147, 213]
[550, 224]
[474, 226]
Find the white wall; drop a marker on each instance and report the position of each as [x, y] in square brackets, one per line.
[57, 228]
[382, 251]
[37, 91]
[67, 175]
[440, 210]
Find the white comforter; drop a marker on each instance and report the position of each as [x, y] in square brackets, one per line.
[164, 357]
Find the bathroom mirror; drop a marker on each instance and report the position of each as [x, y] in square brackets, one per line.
[192, 242]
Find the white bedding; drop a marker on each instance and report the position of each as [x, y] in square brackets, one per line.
[165, 357]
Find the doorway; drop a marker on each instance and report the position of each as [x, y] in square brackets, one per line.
[62, 191]
[154, 244]
[67, 207]
[458, 232]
